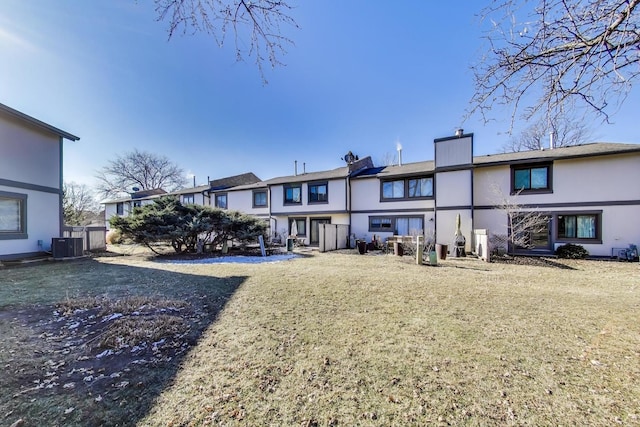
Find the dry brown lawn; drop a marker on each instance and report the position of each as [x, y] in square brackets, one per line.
[343, 339]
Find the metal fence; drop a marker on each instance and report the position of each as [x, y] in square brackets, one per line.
[94, 238]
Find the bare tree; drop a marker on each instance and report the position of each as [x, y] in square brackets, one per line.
[522, 224]
[257, 25]
[566, 131]
[139, 169]
[79, 204]
[546, 57]
[388, 159]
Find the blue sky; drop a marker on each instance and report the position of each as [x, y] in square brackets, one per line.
[361, 76]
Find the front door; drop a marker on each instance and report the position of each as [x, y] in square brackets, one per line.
[315, 229]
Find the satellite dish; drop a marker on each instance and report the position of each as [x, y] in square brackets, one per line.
[349, 157]
[135, 189]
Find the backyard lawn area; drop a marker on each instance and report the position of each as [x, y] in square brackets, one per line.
[336, 339]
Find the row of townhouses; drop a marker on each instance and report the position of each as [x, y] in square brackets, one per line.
[589, 194]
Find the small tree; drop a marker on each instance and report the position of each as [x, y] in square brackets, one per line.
[79, 205]
[521, 223]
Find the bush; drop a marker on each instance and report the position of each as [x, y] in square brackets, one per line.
[572, 251]
[113, 237]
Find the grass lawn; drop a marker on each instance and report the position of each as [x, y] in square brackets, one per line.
[335, 339]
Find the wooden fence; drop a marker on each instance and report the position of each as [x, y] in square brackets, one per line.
[94, 238]
[333, 236]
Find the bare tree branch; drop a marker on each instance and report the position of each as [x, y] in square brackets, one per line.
[257, 25]
[566, 131]
[140, 169]
[79, 204]
[556, 55]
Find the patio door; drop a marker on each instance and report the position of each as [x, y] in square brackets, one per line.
[315, 229]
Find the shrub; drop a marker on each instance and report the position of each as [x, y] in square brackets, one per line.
[572, 251]
[113, 237]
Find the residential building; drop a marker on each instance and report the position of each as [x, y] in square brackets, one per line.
[31, 183]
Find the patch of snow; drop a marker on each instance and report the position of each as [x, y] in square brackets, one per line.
[104, 353]
[112, 317]
[239, 259]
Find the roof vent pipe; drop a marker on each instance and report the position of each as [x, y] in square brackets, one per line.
[295, 167]
[304, 168]
[399, 148]
[551, 142]
[459, 132]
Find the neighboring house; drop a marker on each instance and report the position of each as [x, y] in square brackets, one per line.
[124, 206]
[219, 188]
[311, 199]
[214, 194]
[31, 184]
[587, 194]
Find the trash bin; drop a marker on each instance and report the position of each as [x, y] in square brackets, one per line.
[442, 250]
[362, 247]
[289, 245]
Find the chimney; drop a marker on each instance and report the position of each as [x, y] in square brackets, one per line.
[459, 132]
[399, 148]
[551, 142]
[295, 167]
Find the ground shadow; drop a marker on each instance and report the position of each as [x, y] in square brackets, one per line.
[56, 373]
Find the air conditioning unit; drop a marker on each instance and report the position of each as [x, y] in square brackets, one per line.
[67, 247]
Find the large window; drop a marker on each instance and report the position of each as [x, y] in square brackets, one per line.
[533, 178]
[120, 208]
[409, 188]
[13, 216]
[293, 194]
[318, 193]
[188, 199]
[401, 225]
[221, 200]
[583, 226]
[259, 198]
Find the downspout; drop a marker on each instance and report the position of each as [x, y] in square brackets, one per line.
[61, 187]
[348, 206]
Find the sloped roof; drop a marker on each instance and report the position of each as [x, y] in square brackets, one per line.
[575, 151]
[190, 190]
[40, 124]
[310, 176]
[233, 181]
[146, 193]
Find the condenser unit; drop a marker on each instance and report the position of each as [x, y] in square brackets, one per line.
[67, 247]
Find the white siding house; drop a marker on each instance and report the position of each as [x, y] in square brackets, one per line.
[30, 184]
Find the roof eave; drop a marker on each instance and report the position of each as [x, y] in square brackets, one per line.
[38, 123]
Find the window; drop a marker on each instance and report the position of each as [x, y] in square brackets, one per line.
[377, 223]
[137, 203]
[536, 178]
[393, 189]
[579, 227]
[421, 187]
[402, 225]
[188, 199]
[259, 199]
[221, 201]
[13, 215]
[406, 189]
[293, 194]
[318, 193]
[120, 208]
[300, 225]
